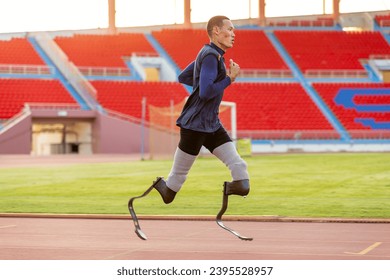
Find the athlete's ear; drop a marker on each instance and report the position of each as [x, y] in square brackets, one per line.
[216, 29]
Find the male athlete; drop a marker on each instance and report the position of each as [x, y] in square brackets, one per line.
[199, 121]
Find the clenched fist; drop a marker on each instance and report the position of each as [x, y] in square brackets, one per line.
[234, 70]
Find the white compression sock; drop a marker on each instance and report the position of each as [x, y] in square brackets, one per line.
[182, 164]
[228, 154]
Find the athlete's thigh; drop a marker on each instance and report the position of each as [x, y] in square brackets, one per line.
[191, 141]
[216, 139]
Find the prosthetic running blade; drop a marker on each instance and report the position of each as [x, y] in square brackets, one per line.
[221, 224]
[143, 236]
[138, 229]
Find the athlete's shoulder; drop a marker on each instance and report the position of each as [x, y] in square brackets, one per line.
[207, 50]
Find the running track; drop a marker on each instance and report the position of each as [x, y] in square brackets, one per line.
[53, 238]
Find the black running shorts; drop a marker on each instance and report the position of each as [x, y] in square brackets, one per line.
[192, 141]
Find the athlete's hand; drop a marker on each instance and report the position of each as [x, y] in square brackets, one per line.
[234, 70]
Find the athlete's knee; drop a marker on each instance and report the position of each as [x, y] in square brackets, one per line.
[240, 164]
[239, 169]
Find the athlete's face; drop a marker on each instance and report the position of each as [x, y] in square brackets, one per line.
[225, 35]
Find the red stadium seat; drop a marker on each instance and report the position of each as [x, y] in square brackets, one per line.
[19, 51]
[324, 50]
[126, 97]
[252, 50]
[349, 116]
[103, 50]
[383, 20]
[15, 92]
[275, 106]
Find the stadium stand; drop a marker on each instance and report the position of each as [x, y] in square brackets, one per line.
[275, 106]
[332, 49]
[362, 96]
[18, 51]
[371, 100]
[126, 96]
[184, 50]
[383, 20]
[14, 93]
[103, 50]
[267, 109]
[255, 51]
[258, 55]
[319, 22]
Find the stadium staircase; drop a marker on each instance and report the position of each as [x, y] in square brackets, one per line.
[103, 50]
[59, 75]
[66, 72]
[161, 51]
[102, 55]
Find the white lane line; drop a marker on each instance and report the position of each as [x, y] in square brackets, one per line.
[8, 226]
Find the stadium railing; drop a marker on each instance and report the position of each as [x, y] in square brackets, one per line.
[25, 69]
[104, 71]
[348, 74]
[265, 73]
[364, 134]
[51, 106]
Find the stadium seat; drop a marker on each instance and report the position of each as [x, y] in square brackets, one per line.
[275, 106]
[383, 20]
[319, 22]
[103, 50]
[252, 50]
[126, 96]
[14, 93]
[182, 45]
[350, 117]
[19, 51]
[332, 50]
[269, 106]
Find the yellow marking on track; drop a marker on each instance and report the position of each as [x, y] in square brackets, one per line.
[1, 227]
[368, 249]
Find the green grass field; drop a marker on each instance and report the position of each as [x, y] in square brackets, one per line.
[294, 185]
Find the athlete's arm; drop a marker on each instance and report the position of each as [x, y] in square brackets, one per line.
[209, 89]
[186, 76]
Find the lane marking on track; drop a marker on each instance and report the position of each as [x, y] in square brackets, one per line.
[368, 249]
[8, 226]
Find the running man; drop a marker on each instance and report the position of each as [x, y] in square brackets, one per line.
[199, 121]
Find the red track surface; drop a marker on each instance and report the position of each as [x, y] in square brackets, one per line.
[114, 239]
